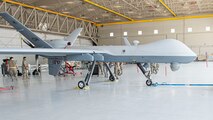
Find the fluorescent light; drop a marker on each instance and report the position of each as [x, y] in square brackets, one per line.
[97, 21]
[208, 28]
[91, 9]
[125, 33]
[189, 29]
[70, 2]
[172, 30]
[105, 14]
[111, 34]
[130, 12]
[66, 12]
[44, 6]
[117, 6]
[155, 31]
[140, 32]
[117, 19]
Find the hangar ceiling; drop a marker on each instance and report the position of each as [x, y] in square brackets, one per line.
[63, 16]
[130, 9]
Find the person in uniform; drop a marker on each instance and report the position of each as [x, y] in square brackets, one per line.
[13, 68]
[25, 68]
[105, 70]
[116, 69]
[100, 66]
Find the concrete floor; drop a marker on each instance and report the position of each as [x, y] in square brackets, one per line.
[47, 98]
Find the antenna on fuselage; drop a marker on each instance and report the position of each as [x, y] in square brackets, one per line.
[136, 42]
[126, 41]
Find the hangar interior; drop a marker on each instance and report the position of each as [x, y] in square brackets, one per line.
[184, 94]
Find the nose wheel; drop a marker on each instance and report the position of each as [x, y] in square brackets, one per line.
[81, 84]
[149, 82]
[111, 78]
[147, 74]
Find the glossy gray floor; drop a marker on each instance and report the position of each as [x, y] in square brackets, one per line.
[49, 98]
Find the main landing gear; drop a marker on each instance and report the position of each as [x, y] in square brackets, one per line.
[82, 84]
[146, 74]
[111, 76]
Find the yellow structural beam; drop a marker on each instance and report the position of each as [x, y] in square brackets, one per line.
[158, 20]
[49, 11]
[107, 9]
[167, 7]
[113, 23]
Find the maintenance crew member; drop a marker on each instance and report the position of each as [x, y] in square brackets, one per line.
[13, 68]
[116, 69]
[25, 68]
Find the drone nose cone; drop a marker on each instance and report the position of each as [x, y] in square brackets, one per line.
[193, 54]
[183, 50]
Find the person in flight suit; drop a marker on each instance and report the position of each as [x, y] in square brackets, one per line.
[25, 68]
[13, 68]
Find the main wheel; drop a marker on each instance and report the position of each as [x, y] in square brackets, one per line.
[81, 84]
[149, 82]
[111, 78]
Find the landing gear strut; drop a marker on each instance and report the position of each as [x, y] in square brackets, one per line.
[111, 76]
[82, 84]
[36, 71]
[146, 74]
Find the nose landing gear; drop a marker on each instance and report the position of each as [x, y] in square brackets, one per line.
[147, 74]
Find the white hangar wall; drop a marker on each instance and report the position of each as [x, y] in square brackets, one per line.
[10, 38]
[199, 40]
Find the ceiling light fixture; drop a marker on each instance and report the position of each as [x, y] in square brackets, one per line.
[117, 6]
[130, 12]
[105, 15]
[66, 12]
[44, 6]
[117, 19]
[70, 2]
[90, 9]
